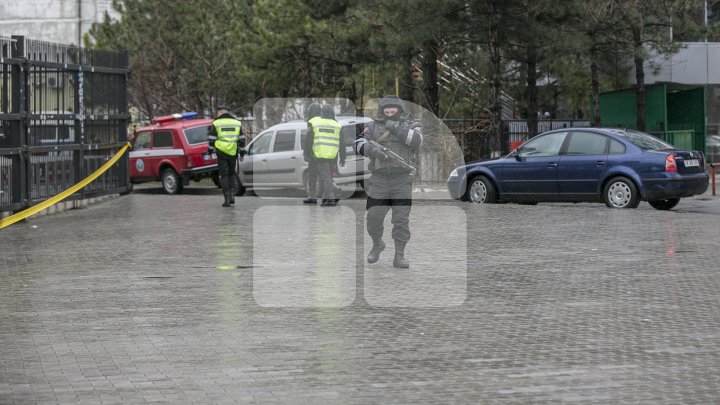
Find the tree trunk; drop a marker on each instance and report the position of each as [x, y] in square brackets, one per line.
[639, 79]
[531, 90]
[595, 83]
[406, 84]
[352, 92]
[495, 88]
[431, 99]
[307, 82]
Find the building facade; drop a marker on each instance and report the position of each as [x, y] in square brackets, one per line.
[58, 21]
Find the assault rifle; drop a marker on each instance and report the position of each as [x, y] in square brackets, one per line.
[392, 156]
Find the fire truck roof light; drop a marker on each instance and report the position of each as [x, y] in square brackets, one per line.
[174, 117]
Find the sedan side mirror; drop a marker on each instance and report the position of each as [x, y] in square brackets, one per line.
[518, 154]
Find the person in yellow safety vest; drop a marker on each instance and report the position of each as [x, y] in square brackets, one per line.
[225, 138]
[313, 190]
[323, 138]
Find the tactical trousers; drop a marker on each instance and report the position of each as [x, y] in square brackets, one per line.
[325, 169]
[226, 170]
[386, 192]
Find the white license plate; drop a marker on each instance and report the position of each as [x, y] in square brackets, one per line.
[208, 157]
[692, 163]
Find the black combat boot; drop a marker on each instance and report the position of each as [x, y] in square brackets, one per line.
[310, 200]
[374, 254]
[399, 260]
[328, 203]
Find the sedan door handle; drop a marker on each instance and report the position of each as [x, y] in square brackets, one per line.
[292, 157]
[601, 163]
[553, 164]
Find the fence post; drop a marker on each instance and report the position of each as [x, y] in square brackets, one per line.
[79, 109]
[19, 128]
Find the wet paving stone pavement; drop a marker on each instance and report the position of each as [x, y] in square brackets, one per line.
[148, 298]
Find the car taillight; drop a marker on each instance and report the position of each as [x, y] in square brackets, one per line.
[670, 165]
[190, 159]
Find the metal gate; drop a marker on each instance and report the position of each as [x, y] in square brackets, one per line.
[63, 113]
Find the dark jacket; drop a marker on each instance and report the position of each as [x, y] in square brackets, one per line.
[405, 141]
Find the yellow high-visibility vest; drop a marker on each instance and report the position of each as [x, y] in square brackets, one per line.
[326, 137]
[228, 133]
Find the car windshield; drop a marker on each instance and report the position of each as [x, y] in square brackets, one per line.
[196, 135]
[645, 141]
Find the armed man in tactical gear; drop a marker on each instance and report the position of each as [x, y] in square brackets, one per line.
[225, 138]
[391, 142]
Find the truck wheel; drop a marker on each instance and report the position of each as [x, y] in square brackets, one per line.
[171, 181]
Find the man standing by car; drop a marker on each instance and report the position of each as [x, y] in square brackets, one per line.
[225, 137]
[324, 142]
[312, 172]
[390, 186]
[329, 111]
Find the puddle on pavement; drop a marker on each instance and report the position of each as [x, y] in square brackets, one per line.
[230, 268]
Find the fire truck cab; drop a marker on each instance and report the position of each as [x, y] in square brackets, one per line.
[173, 150]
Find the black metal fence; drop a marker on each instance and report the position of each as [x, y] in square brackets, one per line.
[63, 113]
[476, 141]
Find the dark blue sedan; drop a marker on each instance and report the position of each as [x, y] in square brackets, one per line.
[619, 167]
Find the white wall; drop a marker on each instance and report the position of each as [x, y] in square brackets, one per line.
[695, 63]
[59, 21]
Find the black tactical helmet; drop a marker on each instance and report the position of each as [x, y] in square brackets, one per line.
[391, 101]
[328, 111]
[313, 110]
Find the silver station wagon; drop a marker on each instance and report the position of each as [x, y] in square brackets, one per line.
[274, 158]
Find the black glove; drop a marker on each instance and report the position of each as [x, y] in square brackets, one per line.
[342, 161]
[370, 151]
[375, 153]
[392, 126]
[210, 151]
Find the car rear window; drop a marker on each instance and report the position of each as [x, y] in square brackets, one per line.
[196, 135]
[586, 143]
[645, 141]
